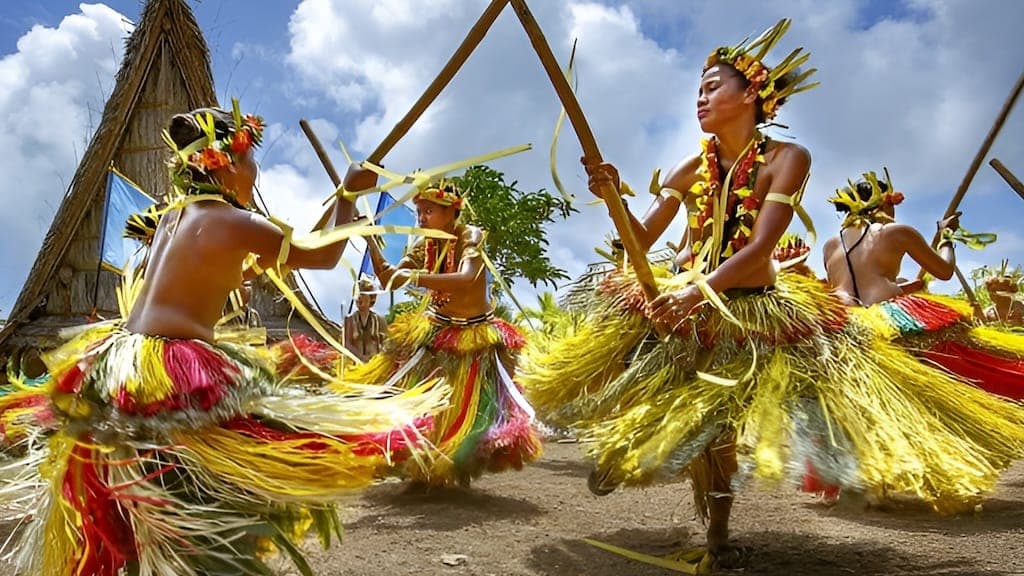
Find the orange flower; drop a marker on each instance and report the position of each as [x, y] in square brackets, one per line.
[241, 141]
[212, 159]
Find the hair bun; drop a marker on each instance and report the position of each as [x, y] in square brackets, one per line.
[183, 130]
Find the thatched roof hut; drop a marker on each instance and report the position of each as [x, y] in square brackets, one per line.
[166, 70]
[578, 292]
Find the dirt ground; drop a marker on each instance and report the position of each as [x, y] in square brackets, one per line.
[532, 523]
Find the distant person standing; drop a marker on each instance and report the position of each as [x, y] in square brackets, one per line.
[365, 329]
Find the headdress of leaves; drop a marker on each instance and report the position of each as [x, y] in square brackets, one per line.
[142, 225]
[208, 152]
[747, 57]
[861, 210]
[443, 192]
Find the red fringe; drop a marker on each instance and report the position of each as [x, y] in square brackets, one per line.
[315, 351]
[511, 445]
[43, 414]
[511, 336]
[933, 315]
[71, 381]
[447, 339]
[108, 538]
[255, 429]
[474, 369]
[199, 374]
[814, 485]
[397, 443]
[394, 442]
[996, 375]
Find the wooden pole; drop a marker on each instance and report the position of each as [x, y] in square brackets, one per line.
[328, 166]
[320, 152]
[617, 211]
[1012, 180]
[443, 78]
[986, 145]
[469, 43]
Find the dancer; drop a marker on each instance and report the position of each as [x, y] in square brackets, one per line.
[1002, 286]
[862, 264]
[489, 425]
[159, 448]
[863, 261]
[757, 371]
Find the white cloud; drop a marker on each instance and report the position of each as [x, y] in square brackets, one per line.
[916, 92]
[52, 92]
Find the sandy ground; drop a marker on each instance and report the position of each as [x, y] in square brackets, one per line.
[532, 523]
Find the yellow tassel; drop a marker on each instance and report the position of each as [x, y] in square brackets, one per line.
[151, 383]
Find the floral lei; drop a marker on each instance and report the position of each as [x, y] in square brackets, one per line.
[732, 217]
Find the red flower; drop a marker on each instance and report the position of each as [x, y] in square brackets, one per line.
[255, 122]
[241, 141]
[750, 204]
[893, 198]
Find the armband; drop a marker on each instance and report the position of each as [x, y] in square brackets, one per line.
[671, 193]
[470, 252]
[780, 198]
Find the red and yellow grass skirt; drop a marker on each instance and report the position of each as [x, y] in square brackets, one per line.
[185, 457]
[489, 424]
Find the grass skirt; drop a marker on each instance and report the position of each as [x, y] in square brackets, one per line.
[941, 329]
[158, 456]
[489, 424]
[796, 383]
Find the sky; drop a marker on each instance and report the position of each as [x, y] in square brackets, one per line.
[913, 85]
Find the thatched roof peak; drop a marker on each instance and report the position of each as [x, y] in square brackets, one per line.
[165, 55]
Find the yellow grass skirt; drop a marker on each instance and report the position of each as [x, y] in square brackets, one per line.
[796, 382]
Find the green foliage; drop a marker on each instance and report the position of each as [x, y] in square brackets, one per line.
[403, 307]
[548, 315]
[514, 220]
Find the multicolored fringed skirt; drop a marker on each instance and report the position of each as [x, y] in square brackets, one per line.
[153, 456]
[792, 380]
[489, 424]
[941, 329]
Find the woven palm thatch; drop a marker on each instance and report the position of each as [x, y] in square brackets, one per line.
[578, 292]
[166, 70]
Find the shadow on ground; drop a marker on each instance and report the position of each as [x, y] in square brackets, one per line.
[768, 553]
[442, 509]
[994, 516]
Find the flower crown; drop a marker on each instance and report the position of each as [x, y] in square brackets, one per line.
[869, 209]
[444, 193]
[747, 58]
[208, 152]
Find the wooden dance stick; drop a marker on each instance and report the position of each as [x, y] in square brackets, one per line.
[1012, 180]
[986, 145]
[469, 43]
[636, 254]
[444, 77]
[320, 153]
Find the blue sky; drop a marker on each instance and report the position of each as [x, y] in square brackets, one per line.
[912, 85]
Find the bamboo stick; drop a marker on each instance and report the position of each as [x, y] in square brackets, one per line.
[617, 211]
[1012, 180]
